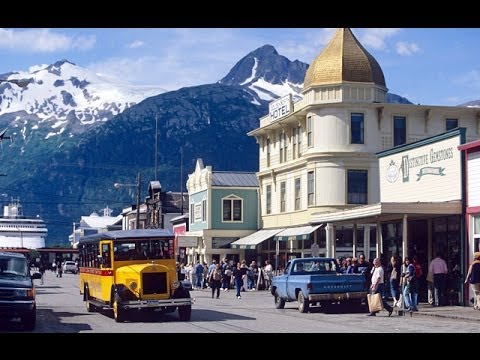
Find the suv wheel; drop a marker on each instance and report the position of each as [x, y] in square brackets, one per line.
[29, 320]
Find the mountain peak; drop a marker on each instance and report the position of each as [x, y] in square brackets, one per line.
[267, 73]
[265, 50]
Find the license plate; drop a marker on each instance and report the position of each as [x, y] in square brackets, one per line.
[152, 302]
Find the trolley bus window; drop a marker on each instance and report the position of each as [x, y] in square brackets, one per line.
[106, 260]
[143, 249]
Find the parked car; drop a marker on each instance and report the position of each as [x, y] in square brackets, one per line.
[17, 291]
[70, 266]
[317, 282]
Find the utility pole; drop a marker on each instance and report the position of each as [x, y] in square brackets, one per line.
[156, 144]
[139, 184]
[181, 177]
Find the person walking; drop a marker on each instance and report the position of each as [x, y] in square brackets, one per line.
[409, 286]
[215, 280]
[239, 273]
[378, 285]
[41, 269]
[394, 269]
[438, 267]
[473, 277]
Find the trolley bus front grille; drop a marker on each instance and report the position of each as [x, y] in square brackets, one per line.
[154, 283]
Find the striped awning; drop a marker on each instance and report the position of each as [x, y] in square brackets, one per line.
[251, 241]
[296, 233]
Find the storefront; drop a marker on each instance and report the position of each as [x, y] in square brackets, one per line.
[421, 209]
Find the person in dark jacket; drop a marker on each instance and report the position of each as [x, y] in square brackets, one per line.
[473, 277]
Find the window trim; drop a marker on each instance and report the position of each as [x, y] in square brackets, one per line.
[447, 119]
[362, 130]
[311, 194]
[309, 131]
[347, 184]
[283, 196]
[269, 144]
[393, 129]
[232, 198]
[268, 199]
[297, 193]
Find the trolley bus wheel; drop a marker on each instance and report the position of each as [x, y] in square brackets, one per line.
[185, 312]
[90, 307]
[118, 313]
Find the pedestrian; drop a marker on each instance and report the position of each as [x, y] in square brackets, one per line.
[215, 280]
[41, 269]
[438, 267]
[268, 269]
[394, 269]
[409, 286]
[473, 277]
[378, 285]
[239, 273]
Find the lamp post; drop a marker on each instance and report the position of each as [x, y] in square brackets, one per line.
[138, 186]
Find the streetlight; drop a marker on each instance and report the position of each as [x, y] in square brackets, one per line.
[138, 186]
[23, 83]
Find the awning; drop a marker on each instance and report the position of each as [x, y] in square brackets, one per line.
[252, 240]
[296, 233]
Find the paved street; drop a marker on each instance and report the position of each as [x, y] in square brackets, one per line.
[60, 309]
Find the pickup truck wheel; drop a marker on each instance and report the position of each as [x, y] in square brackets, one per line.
[279, 302]
[303, 304]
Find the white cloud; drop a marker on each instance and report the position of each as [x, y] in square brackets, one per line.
[470, 79]
[43, 40]
[136, 44]
[376, 38]
[406, 49]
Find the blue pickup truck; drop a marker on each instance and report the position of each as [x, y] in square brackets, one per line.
[317, 282]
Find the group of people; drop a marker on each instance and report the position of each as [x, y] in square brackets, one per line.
[226, 274]
[404, 282]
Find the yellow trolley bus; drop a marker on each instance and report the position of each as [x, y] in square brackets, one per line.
[132, 270]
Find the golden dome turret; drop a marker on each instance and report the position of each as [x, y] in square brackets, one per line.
[344, 59]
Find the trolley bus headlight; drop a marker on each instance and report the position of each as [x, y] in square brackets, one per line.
[176, 284]
[133, 285]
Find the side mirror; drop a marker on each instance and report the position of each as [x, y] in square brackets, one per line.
[36, 275]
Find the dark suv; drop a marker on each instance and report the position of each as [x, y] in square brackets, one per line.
[17, 292]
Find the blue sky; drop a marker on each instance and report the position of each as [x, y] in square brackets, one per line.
[433, 66]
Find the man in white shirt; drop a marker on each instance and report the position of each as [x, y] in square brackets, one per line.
[378, 285]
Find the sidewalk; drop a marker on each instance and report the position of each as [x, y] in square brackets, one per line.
[450, 312]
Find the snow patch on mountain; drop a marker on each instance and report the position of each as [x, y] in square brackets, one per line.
[62, 92]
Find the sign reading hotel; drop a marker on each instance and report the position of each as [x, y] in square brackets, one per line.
[280, 108]
[425, 173]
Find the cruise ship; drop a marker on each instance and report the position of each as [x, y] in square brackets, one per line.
[18, 231]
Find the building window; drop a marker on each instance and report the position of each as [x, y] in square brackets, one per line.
[399, 130]
[451, 124]
[300, 133]
[268, 152]
[283, 147]
[294, 143]
[204, 210]
[232, 209]
[192, 212]
[269, 199]
[311, 188]
[297, 194]
[357, 186]
[309, 131]
[283, 194]
[356, 128]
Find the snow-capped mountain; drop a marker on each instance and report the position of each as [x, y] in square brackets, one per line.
[64, 93]
[473, 103]
[268, 74]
